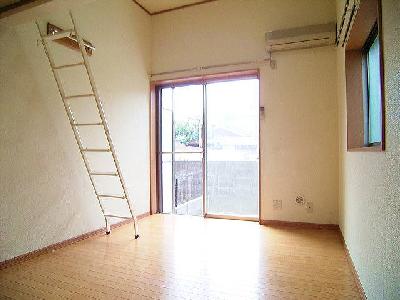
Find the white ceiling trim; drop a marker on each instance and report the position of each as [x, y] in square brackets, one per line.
[154, 7]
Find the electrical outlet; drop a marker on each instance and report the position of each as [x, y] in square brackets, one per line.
[277, 204]
[300, 200]
[309, 207]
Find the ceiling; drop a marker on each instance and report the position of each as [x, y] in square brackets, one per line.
[157, 6]
[9, 7]
[4, 3]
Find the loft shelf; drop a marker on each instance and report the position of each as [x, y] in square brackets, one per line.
[69, 40]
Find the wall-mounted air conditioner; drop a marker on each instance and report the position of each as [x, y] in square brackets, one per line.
[301, 37]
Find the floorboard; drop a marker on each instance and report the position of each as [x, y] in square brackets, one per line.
[181, 257]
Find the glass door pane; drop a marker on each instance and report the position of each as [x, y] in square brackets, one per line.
[166, 119]
[182, 150]
[188, 184]
[188, 118]
[167, 183]
[232, 148]
[166, 147]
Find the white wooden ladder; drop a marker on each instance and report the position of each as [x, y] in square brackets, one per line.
[93, 95]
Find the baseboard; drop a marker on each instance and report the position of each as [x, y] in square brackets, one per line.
[353, 269]
[226, 217]
[278, 223]
[30, 255]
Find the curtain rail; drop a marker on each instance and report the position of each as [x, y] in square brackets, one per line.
[209, 67]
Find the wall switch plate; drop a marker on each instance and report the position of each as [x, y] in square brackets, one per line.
[309, 207]
[277, 204]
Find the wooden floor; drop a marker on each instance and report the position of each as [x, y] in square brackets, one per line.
[179, 257]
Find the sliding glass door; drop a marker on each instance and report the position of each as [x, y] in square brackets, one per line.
[209, 149]
[182, 150]
[232, 148]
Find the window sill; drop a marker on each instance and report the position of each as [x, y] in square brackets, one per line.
[375, 148]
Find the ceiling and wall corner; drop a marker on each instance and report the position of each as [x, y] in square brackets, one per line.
[8, 4]
[14, 12]
[154, 7]
[30, 11]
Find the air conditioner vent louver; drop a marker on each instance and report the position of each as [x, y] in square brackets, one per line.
[301, 37]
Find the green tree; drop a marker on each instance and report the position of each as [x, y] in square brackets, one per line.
[187, 133]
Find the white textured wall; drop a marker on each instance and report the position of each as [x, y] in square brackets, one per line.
[299, 136]
[370, 182]
[46, 196]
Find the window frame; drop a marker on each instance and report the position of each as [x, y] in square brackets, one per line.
[155, 88]
[361, 37]
[372, 37]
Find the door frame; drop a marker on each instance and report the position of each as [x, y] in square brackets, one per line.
[174, 152]
[154, 110]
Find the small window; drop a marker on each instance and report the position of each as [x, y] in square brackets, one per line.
[364, 80]
[373, 97]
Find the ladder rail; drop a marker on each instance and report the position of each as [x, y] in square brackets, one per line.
[70, 116]
[104, 121]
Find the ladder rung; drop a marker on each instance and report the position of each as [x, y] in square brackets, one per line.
[89, 94]
[79, 96]
[68, 66]
[95, 150]
[121, 217]
[59, 35]
[112, 196]
[87, 124]
[104, 173]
